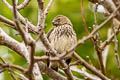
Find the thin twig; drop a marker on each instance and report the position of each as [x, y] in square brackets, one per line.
[90, 36]
[13, 77]
[32, 28]
[89, 60]
[54, 52]
[20, 48]
[22, 51]
[95, 38]
[95, 14]
[83, 18]
[2, 59]
[41, 25]
[106, 42]
[13, 66]
[22, 77]
[21, 30]
[48, 7]
[40, 13]
[106, 50]
[7, 21]
[82, 41]
[75, 63]
[116, 46]
[8, 69]
[43, 58]
[23, 5]
[8, 5]
[22, 19]
[28, 40]
[90, 67]
[84, 73]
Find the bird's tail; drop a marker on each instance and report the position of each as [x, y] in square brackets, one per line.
[53, 65]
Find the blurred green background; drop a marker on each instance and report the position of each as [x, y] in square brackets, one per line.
[71, 9]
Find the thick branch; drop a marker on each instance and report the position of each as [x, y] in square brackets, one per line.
[21, 50]
[51, 73]
[7, 21]
[14, 45]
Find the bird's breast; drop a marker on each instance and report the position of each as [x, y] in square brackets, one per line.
[62, 38]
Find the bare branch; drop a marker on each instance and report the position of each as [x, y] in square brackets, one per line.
[106, 42]
[90, 67]
[45, 41]
[83, 18]
[82, 41]
[7, 21]
[23, 5]
[29, 55]
[43, 58]
[20, 75]
[106, 50]
[84, 73]
[116, 45]
[8, 5]
[36, 72]
[51, 73]
[95, 13]
[40, 14]
[13, 77]
[20, 29]
[9, 68]
[13, 44]
[28, 40]
[62, 62]
[21, 50]
[110, 7]
[31, 65]
[12, 66]
[48, 7]
[32, 28]
[94, 38]
[89, 60]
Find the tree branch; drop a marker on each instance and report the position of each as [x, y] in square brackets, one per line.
[90, 67]
[51, 73]
[21, 50]
[23, 5]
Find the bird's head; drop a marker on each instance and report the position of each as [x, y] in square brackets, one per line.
[61, 20]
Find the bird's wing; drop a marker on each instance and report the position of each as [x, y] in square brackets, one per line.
[48, 34]
[47, 53]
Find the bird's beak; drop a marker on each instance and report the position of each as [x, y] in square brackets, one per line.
[53, 22]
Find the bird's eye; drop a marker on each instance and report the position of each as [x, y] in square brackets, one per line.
[58, 19]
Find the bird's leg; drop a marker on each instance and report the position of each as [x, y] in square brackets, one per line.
[52, 65]
[68, 61]
[48, 54]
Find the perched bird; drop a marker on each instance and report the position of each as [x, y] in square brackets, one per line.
[62, 38]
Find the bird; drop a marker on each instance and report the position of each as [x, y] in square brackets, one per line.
[62, 37]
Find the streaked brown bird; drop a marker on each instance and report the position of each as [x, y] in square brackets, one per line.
[62, 38]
